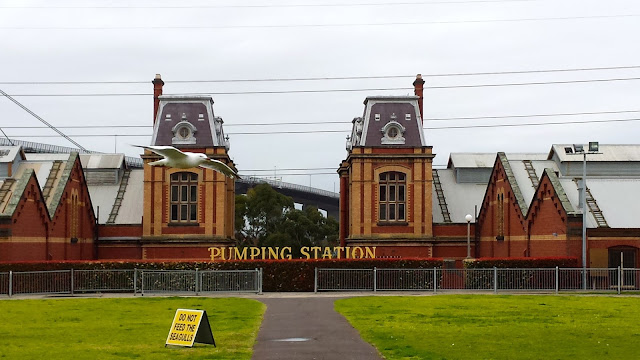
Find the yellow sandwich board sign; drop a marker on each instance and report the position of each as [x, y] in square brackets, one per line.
[188, 327]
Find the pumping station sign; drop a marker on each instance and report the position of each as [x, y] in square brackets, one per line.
[285, 253]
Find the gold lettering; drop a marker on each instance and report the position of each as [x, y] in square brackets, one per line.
[304, 251]
[241, 255]
[369, 252]
[286, 249]
[315, 251]
[214, 252]
[347, 252]
[338, 250]
[353, 253]
[327, 253]
[264, 250]
[254, 252]
[273, 253]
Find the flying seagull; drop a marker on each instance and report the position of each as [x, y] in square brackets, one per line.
[184, 160]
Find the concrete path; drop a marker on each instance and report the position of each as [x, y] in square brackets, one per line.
[308, 328]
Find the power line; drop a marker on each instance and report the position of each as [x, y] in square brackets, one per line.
[343, 122]
[42, 120]
[529, 115]
[331, 78]
[5, 135]
[266, 6]
[347, 131]
[284, 26]
[530, 124]
[266, 92]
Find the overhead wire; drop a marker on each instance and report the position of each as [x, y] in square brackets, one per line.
[347, 122]
[285, 26]
[326, 78]
[347, 130]
[263, 6]
[60, 133]
[264, 92]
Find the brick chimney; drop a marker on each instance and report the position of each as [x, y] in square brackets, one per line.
[417, 90]
[157, 91]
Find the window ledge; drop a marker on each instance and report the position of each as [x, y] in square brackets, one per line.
[183, 224]
[392, 223]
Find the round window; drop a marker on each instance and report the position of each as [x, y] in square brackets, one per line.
[184, 132]
[392, 132]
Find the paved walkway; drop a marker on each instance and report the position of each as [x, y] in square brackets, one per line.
[308, 328]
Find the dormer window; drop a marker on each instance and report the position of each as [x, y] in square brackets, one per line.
[377, 117]
[183, 133]
[393, 134]
[407, 117]
[200, 117]
[167, 117]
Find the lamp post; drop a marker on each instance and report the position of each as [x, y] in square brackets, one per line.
[577, 150]
[468, 217]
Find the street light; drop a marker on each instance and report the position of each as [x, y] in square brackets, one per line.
[577, 150]
[468, 218]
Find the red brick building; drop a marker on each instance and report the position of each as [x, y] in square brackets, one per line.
[46, 211]
[105, 206]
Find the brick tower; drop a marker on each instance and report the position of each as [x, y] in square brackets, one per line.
[386, 179]
[186, 210]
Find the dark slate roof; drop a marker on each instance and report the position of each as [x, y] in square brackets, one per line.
[194, 110]
[379, 112]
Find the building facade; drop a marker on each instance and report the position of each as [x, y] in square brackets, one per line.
[58, 205]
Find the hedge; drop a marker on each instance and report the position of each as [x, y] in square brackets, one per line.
[520, 263]
[278, 275]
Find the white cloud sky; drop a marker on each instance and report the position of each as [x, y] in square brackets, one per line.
[132, 45]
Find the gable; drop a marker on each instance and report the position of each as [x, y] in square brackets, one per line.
[503, 185]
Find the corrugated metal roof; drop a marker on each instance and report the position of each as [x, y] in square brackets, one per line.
[132, 204]
[606, 153]
[522, 176]
[11, 153]
[462, 198]
[617, 199]
[571, 189]
[486, 160]
[101, 161]
[103, 196]
[472, 160]
[41, 169]
[47, 157]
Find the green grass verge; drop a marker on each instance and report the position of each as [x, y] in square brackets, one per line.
[128, 328]
[498, 327]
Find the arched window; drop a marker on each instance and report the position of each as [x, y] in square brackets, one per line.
[500, 215]
[184, 197]
[392, 197]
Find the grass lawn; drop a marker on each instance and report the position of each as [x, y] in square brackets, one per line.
[96, 328]
[498, 327]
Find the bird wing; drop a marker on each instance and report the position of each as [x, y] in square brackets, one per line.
[220, 167]
[166, 151]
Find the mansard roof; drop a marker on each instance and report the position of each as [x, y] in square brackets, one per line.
[384, 112]
[195, 113]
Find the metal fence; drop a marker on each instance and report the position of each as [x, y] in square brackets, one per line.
[495, 280]
[129, 281]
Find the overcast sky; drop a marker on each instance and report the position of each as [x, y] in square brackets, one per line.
[226, 40]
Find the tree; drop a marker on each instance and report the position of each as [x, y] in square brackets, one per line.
[307, 227]
[265, 217]
[259, 213]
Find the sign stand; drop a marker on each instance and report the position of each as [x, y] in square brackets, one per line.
[188, 327]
